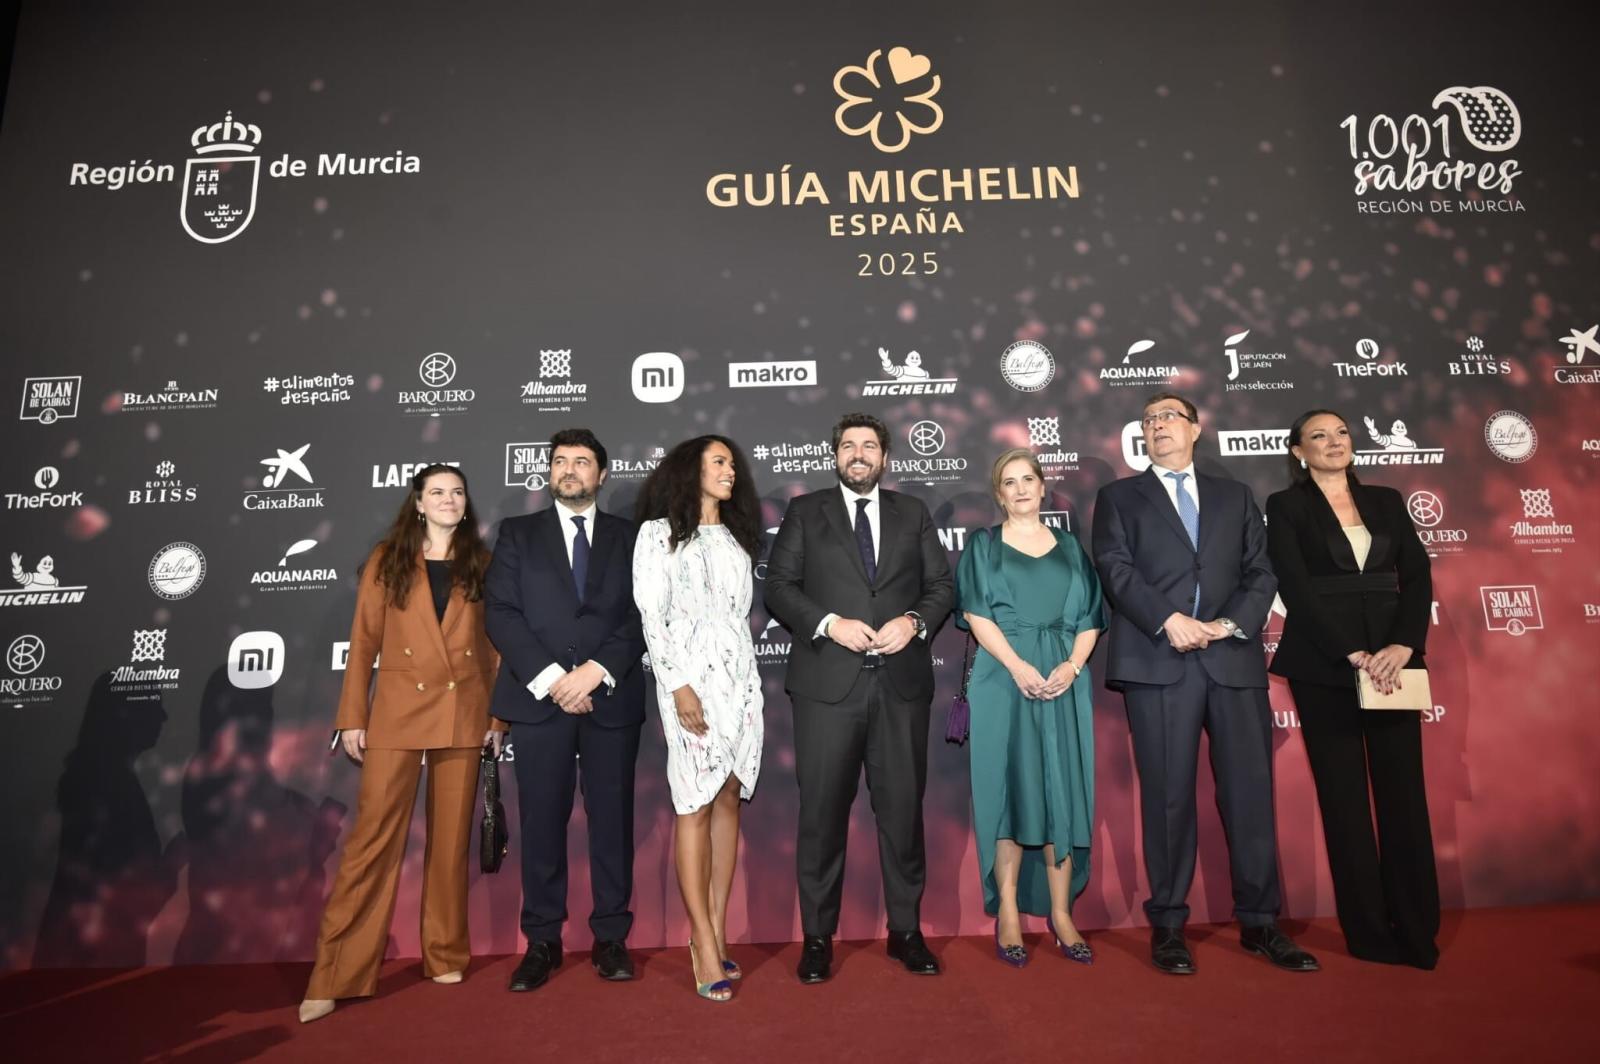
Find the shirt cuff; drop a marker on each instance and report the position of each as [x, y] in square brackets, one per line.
[822, 629]
[606, 676]
[540, 685]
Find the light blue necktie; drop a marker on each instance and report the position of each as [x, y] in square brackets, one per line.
[1190, 516]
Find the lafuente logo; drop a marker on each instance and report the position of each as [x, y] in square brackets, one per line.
[217, 200]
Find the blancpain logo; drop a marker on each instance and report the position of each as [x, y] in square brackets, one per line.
[171, 397]
[1129, 375]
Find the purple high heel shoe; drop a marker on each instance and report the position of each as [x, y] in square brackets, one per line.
[1016, 956]
[1078, 951]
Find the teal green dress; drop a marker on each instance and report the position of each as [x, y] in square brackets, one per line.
[1032, 761]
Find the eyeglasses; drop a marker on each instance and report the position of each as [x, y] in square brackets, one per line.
[1164, 417]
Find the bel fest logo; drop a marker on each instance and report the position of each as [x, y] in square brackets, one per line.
[217, 200]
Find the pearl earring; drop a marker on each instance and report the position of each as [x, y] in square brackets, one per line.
[1302, 463]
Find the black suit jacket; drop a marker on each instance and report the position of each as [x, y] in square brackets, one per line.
[534, 618]
[815, 569]
[1334, 607]
[1148, 569]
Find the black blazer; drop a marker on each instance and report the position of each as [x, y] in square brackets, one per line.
[815, 569]
[534, 619]
[1334, 608]
[1148, 569]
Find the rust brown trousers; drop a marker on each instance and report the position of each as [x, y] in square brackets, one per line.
[431, 695]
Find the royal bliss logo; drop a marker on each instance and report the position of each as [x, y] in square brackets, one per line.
[1131, 374]
[46, 479]
[220, 182]
[1425, 154]
[436, 371]
[1027, 365]
[50, 399]
[165, 487]
[554, 392]
[795, 374]
[1477, 362]
[1511, 608]
[906, 378]
[172, 397]
[295, 577]
[322, 390]
[1259, 365]
[1395, 447]
[287, 484]
[39, 586]
[177, 571]
[1427, 514]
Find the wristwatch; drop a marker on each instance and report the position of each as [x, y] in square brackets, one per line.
[1232, 628]
[917, 621]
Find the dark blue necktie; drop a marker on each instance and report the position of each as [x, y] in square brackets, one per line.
[580, 557]
[864, 541]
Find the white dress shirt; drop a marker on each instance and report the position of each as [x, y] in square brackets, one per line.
[1171, 485]
[874, 521]
[539, 686]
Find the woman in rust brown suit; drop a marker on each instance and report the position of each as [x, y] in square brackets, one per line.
[419, 614]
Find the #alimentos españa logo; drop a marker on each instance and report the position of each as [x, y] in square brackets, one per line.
[218, 193]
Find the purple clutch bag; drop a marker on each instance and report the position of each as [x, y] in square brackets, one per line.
[958, 725]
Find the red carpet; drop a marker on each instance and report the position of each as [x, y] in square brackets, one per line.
[1519, 984]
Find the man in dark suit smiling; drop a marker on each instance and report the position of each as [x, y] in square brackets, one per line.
[1183, 558]
[859, 577]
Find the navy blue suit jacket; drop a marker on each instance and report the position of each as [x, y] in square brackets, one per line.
[535, 620]
[1148, 569]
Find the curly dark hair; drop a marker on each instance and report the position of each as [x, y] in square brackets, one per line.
[861, 421]
[401, 546]
[673, 491]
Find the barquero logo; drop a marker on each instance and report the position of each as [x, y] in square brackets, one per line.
[896, 90]
[219, 184]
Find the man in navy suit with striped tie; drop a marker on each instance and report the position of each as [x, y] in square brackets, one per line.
[1182, 556]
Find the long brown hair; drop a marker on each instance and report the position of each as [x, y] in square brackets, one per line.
[398, 552]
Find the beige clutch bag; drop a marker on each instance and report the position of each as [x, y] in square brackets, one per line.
[1413, 692]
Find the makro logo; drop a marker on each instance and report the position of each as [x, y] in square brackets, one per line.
[1131, 374]
[1368, 351]
[1511, 608]
[255, 660]
[1252, 443]
[657, 377]
[798, 374]
[907, 378]
[50, 399]
[528, 465]
[1395, 447]
[220, 183]
[47, 479]
[1580, 345]
[286, 485]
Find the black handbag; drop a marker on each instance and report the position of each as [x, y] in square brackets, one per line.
[493, 836]
[958, 725]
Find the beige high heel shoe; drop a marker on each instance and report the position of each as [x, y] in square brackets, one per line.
[315, 1009]
[448, 978]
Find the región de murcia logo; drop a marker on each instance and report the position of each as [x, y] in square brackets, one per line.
[218, 199]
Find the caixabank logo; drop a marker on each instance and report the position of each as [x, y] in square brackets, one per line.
[217, 198]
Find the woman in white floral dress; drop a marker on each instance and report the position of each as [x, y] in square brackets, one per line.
[693, 567]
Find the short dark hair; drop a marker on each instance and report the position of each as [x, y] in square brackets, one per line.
[861, 421]
[1188, 407]
[579, 438]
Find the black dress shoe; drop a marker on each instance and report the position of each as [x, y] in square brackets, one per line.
[541, 959]
[1278, 948]
[909, 949]
[611, 960]
[1169, 952]
[816, 959]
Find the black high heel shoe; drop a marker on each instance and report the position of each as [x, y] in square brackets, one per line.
[1077, 951]
[1016, 956]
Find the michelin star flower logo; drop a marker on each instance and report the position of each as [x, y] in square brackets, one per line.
[906, 98]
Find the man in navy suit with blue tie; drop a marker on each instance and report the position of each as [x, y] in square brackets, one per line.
[1182, 556]
[559, 597]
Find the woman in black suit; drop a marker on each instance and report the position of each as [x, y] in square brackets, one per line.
[1356, 584]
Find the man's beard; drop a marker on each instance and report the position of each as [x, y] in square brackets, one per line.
[577, 494]
[862, 485]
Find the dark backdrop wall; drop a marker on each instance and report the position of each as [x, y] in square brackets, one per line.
[260, 260]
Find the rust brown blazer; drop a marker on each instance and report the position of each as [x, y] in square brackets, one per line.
[434, 677]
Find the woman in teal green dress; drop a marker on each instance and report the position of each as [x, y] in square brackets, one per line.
[1032, 600]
